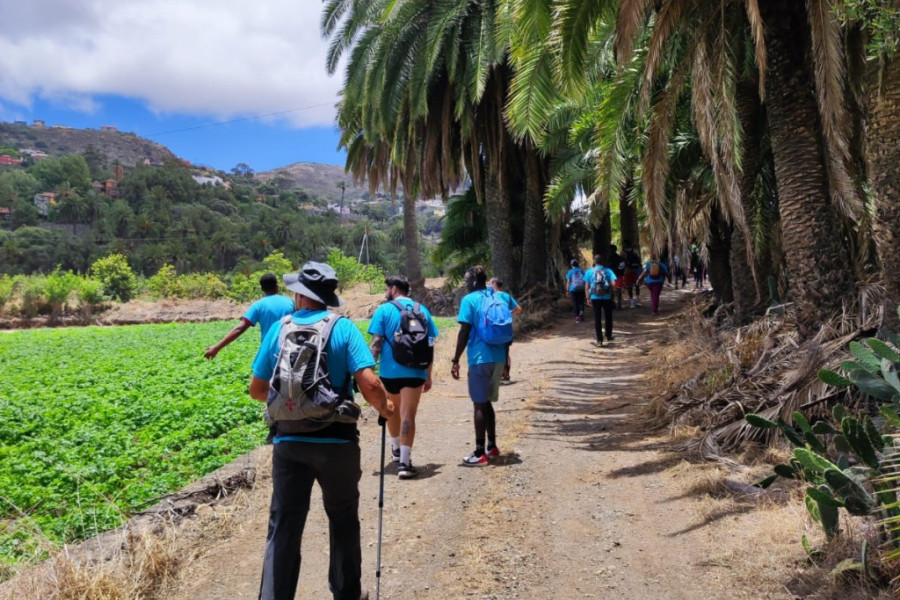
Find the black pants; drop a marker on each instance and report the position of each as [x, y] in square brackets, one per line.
[578, 302]
[295, 466]
[603, 308]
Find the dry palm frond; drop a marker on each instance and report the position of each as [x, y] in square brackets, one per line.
[759, 42]
[829, 76]
[631, 17]
[782, 378]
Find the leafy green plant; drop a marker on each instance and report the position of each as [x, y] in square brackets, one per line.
[350, 271]
[851, 461]
[90, 295]
[58, 287]
[164, 284]
[34, 296]
[8, 287]
[116, 275]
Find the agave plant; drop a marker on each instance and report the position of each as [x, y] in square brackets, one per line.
[851, 462]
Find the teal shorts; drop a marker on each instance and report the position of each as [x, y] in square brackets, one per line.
[484, 382]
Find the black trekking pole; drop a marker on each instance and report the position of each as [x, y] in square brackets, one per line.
[383, 422]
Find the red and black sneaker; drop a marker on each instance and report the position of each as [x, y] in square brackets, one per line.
[493, 452]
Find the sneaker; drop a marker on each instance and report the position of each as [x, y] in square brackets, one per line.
[395, 454]
[599, 344]
[475, 461]
[407, 471]
[578, 319]
[493, 452]
[610, 338]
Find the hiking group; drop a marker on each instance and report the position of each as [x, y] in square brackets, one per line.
[306, 369]
[602, 286]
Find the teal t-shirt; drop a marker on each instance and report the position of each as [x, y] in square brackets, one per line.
[594, 273]
[385, 322]
[478, 352]
[267, 311]
[507, 299]
[662, 266]
[347, 350]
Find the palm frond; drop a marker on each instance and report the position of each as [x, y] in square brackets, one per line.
[631, 17]
[533, 94]
[829, 77]
[759, 42]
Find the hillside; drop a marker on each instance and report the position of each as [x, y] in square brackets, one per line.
[127, 148]
[318, 180]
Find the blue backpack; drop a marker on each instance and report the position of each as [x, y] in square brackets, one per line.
[494, 320]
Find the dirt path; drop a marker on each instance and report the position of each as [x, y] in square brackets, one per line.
[581, 505]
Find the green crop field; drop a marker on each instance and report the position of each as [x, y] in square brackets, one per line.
[97, 423]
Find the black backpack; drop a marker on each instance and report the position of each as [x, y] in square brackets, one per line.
[411, 345]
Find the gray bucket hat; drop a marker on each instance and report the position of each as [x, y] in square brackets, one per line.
[317, 281]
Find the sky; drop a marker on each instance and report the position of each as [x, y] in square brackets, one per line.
[217, 81]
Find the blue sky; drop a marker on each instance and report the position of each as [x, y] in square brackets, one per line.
[217, 81]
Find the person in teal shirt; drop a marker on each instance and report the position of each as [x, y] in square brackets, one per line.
[265, 312]
[601, 303]
[575, 283]
[307, 451]
[654, 275]
[486, 364]
[404, 385]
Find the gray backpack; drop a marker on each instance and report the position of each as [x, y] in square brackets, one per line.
[300, 389]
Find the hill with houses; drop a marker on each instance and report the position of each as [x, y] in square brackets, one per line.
[38, 140]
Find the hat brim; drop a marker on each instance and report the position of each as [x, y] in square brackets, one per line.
[292, 283]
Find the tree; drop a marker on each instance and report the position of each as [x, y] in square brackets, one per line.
[116, 276]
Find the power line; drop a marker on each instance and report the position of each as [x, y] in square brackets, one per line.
[242, 119]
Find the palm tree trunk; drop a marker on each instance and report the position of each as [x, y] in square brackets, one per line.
[720, 244]
[883, 157]
[497, 216]
[749, 293]
[628, 216]
[534, 250]
[602, 235]
[811, 229]
[411, 241]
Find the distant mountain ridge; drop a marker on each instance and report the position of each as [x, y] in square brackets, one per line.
[128, 148]
[319, 180]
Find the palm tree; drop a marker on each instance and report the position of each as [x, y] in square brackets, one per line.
[883, 151]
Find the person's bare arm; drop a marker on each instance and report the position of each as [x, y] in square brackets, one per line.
[372, 390]
[232, 335]
[259, 388]
[375, 346]
[461, 340]
[517, 310]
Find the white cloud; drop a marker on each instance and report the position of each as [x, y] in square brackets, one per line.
[222, 58]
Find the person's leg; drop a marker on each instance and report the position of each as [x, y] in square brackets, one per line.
[479, 379]
[338, 473]
[291, 488]
[597, 306]
[508, 366]
[608, 306]
[393, 426]
[409, 404]
[655, 289]
[490, 417]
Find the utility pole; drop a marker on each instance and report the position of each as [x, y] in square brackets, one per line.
[343, 186]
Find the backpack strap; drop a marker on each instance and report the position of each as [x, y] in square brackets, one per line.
[399, 305]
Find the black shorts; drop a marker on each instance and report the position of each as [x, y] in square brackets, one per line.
[393, 385]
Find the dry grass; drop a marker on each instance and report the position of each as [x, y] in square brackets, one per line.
[143, 559]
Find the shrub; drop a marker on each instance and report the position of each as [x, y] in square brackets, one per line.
[350, 271]
[116, 276]
[8, 287]
[90, 294]
[164, 284]
[276, 263]
[202, 285]
[34, 296]
[58, 287]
